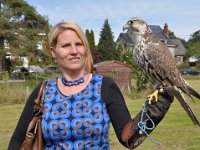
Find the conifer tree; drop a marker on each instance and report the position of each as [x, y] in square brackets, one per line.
[90, 38]
[87, 34]
[106, 46]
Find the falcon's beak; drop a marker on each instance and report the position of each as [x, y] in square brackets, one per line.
[125, 27]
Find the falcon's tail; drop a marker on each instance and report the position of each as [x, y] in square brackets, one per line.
[191, 90]
[180, 96]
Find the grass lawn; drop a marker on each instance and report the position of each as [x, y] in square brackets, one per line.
[176, 131]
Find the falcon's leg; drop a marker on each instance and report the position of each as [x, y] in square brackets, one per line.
[154, 95]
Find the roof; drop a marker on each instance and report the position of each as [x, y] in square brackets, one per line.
[179, 49]
[125, 38]
[111, 61]
[159, 33]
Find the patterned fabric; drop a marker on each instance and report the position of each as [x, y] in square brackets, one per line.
[75, 122]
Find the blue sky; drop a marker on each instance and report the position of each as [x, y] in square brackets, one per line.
[182, 16]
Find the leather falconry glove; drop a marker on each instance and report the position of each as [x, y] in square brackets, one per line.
[132, 134]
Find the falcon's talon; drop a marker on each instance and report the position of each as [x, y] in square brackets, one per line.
[153, 95]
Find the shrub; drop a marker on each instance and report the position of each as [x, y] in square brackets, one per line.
[16, 92]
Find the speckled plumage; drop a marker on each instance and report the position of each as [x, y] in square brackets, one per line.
[156, 61]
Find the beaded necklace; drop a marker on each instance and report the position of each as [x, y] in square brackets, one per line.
[72, 83]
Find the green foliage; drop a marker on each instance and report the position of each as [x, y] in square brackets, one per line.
[20, 24]
[193, 45]
[183, 66]
[14, 93]
[106, 46]
[195, 37]
[5, 76]
[172, 35]
[141, 80]
[183, 42]
[198, 66]
[90, 38]
[193, 50]
[126, 56]
[119, 52]
[96, 55]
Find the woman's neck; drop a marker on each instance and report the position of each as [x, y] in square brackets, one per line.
[73, 75]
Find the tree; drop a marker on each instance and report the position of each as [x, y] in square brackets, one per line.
[90, 38]
[20, 25]
[87, 34]
[193, 45]
[106, 46]
[172, 35]
[119, 52]
[193, 50]
[195, 37]
[95, 55]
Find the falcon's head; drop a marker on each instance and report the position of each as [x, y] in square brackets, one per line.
[136, 25]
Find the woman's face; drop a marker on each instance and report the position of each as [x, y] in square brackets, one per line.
[69, 51]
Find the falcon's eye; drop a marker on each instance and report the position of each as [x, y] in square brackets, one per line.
[130, 22]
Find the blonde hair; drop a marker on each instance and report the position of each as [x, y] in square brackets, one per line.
[64, 25]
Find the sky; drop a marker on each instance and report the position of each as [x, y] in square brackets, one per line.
[182, 16]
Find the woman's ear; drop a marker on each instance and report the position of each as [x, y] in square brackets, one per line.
[52, 50]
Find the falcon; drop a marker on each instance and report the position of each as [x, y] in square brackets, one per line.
[157, 63]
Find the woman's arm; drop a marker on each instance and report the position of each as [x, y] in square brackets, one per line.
[26, 116]
[127, 129]
[116, 106]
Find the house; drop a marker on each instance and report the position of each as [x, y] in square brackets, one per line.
[175, 46]
[179, 51]
[120, 72]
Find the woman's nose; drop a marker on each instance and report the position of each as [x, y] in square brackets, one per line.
[74, 49]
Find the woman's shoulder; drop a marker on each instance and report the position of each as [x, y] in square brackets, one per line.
[50, 82]
[105, 79]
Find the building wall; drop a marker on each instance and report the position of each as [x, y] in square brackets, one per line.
[172, 50]
[120, 73]
[179, 60]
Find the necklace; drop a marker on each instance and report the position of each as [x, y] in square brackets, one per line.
[72, 83]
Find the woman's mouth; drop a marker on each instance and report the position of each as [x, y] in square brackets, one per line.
[74, 59]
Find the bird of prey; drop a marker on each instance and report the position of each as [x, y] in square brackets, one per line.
[157, 63]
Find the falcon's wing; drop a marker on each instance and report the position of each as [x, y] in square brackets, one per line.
[164, 64]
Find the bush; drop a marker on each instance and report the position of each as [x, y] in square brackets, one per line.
[16, 92]
[183, 66]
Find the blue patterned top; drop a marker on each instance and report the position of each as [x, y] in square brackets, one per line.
[79, 121]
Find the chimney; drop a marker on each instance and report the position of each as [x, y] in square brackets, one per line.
[166, 31]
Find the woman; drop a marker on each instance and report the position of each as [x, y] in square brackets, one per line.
[79, 105]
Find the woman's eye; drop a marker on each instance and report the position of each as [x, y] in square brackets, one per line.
[79, 44]
[66, 45]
